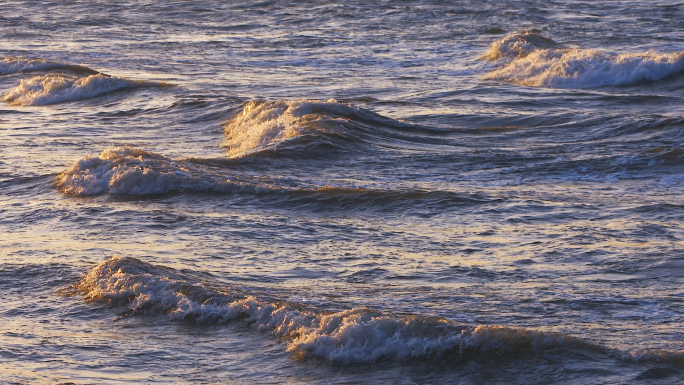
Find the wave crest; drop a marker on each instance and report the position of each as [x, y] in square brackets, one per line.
[263, 125]
[59, 88]
[126, 170]
[519, 45]
[538, 63]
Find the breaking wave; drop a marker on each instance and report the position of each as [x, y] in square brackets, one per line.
[126, 170]
[59, 88]
[538, 61]
[346, 336]
[10, 65]
[262, 125]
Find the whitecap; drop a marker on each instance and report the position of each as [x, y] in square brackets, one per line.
[263, 125]
[588, 68]
[59, 88]
[125, 170]
[538, 63]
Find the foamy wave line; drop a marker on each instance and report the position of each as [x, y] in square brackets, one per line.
[9, 65]
[536, 62]
[125, 170]
[59, 88]
[356, 335]
[263, 125]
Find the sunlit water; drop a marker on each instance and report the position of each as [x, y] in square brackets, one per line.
[305, 192]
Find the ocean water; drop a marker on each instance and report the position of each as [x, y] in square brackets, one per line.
[405, 192]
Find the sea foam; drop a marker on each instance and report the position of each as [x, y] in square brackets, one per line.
[535, 61]
[345, 336]
[59, 88]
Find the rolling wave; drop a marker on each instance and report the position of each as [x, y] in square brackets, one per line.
[60, 88]
[540, 62]
[126, 170]
[130, 171]
[10, 65]
[264, 125]
[345, 336]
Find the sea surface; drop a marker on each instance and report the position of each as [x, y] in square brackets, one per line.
[391, 192]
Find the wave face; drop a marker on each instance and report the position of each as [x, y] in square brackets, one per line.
[263, 125]
[60, 88]
[346, 336]
[537, 62]
[126, 170]
[10, 65]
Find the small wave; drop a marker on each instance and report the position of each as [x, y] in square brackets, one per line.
[10, 65]
[654, 355]
[519, 45]
[336, 198]
[126, 170]
[543, 65]
[665, 155]
[651, 159]
[59, 88]
[263, 125]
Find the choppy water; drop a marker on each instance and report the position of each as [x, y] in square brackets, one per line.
[307, 192]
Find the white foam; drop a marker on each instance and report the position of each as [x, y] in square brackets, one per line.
[265, 124]
[126, 170]
[355, 335]
[577, 68]
[59, 88]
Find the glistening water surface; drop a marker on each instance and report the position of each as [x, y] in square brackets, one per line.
[316, 192]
